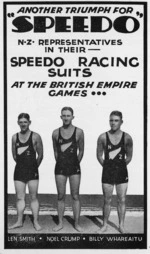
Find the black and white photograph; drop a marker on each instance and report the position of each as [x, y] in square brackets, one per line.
[75, 107]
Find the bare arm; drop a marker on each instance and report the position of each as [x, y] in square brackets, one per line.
[80, 144]
[39, 148]
[100, 149]
[129, 148]
[14, 147]
[54, 139]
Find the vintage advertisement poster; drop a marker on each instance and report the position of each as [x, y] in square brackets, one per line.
[75, 125]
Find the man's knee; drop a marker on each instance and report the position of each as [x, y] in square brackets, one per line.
[20, 197]
[75, 196]
[33, 196]
[121, 200]
[107, 200]
[61, 197]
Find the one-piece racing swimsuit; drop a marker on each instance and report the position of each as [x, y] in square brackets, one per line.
[67, 162]
[26, 165]
[115, 169]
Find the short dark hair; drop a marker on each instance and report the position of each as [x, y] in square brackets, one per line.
[24, 115]
[67, 108]
[116, 113]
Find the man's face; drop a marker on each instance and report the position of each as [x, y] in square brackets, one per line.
[115, 122]
[67, 117]
[24, 124]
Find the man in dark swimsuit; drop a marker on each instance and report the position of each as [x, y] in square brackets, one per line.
[117, 147]
[25, 146]
[68, 144]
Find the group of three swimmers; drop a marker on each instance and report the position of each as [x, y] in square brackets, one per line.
[68, 145]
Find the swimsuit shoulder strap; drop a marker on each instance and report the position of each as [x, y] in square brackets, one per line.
[123, 137]
[107, 138]
[75, 129]
[17, 136]
[30, 138]
[74, 133]
[59, 134]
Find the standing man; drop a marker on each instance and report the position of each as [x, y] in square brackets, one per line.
[25, 146]
[117, 147]
[68, 144]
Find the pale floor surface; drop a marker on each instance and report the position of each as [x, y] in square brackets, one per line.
[90, 224]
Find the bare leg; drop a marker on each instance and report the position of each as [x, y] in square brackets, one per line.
[20, 193]
[74, 186]
[107, 192]
[61, 189]
[33, 189]
[121, 190]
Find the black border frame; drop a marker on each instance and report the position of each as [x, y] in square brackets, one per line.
[39, 245]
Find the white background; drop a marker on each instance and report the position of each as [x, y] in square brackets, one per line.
[130, 126]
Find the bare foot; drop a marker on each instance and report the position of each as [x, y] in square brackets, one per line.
[37, 226]
[122, 230]
[78, 228]
[58, 227]
[102, 230]
[16, 225]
